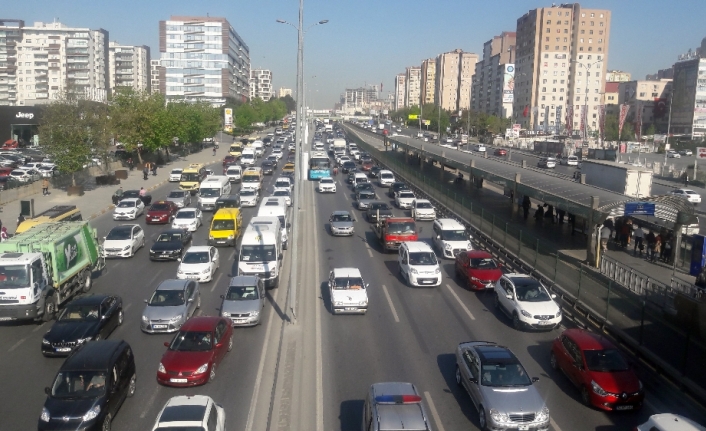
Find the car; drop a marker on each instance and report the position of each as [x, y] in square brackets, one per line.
[249, 197]
[25, 175]
[500, 152]
[191, 412]
[394, 405]
[597, 368]
[546, 162]
[450, 237]
[377, 210]
[92, 317]
[48, 171]
[170, 244]
[193, 355]
[527, 302]
[244, 300]
[418, 264]
[673, 154]
[396, 187]
[685, 153]
[123, 241]
[366, 165]
[341, 223]
[175, 175]
[170, 306]
[199, 263]
[128, 209]
[274, 159]
[363, 198]
[181, 198]
[288, 169]
[386, 178]
[687, 194]
[146, 199]
[669, 422]
[161, 212]
[90, 387]
[404, 199]
[229, 159]
[187, 218]
[569, 161]
[348, 291]
[347, 166]
[363, 186]
[374, 171]
[326, 184]
[502, 392]
[277, 152]
[352, 175]
[291, 158]
[283, 192]
[479, 148]
[422, 209]
[477, 269]
[284, 182]
[268, 168]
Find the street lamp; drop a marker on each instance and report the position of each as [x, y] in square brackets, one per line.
[586, 66]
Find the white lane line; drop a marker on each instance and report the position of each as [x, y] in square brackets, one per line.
[460, 303]
[215, 283]
[153, 278]
[16, 345]
[434, 413]
[149, 403]
[319, 306]
[389, 301]
[553, 424]
[370, 253]
[232, 255]
[345, 196]
[38, 327]
[127, 307]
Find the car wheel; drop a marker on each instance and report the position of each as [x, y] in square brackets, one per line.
[198, 301]
[585, 396]
[496, 302]
[49, 309]
[121, 317]
[516, 323]
[143, 242]
[87, 280]
[106, 423]
[552, 361]
[482, 421]
[458, 376]
[212, 375]
[230, 344]
[132, 386]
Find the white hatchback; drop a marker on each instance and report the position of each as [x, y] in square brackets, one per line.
[197, 412]
[175, 175]
[422, 209]
[200, 262]
[128, 209]
[187, 218]
[527, 302]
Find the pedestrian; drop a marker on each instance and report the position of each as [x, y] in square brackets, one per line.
[143, 192]
[45, 186]
[650, 244]
[560, 215]
[20, 219]
[549, 212]
[539, 213]
[130, 164]
[667, 248]
[3, 234]
[686, 180]
[657, 249]
[146, 170]
[639, 240]
[624, 233]
[526, 205]
[605, 236]
[154, 169]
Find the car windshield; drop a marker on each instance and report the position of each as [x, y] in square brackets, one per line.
[80, 312]
[169, 237]
[167, 298]
[281, 193]
[401, 227]
[127, 204]
[325, 181]
[195, 257]
[242, 293]
[233, 171]
[386, 175]
[423, 205]
[484, 263]
[210, 193]
[79, 384]
[176, 194]
[453, 235]
[186, 214]
[341, 217]
[13, 276]
[190, 177]
[608, 360]
[345, 283]
[258, 253]
[119, 233]
[504, 374]
[176, 171]
[159, 207]
[348, 164]
[379, 206]
[531, 292]
[250, 178]
[422, 258]
[192, 341]
[223, 225]
[366, 194]
[247, 192]
[406, 195]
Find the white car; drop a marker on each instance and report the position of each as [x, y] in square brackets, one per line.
[283, 192]
[404, 199]
[687, 194]
[480, 148]
[673, 154]
[277, 152]
[249, 197]
[187, 218]
[669, 422]
[284, 182]
[128, 209]
[450, 237]
[418, 264]
[199, 262]
[175, 175]
[386, 178]
[123, 241]
[48, 171]
[348, 291]
[422, 209]
[197, 412]
[355, 154]
[327, 184]
[527, 302]
[25, 175]
[341, 159]
[685, 153]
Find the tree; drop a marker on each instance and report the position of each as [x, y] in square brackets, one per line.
[289, 103]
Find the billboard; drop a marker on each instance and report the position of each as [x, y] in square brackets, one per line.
[509, 83]
[228, 119]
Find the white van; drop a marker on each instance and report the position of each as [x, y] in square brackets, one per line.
[234, 173]
[450, 237]
[570, 161]
[418, 264]
[211, 188]
[275, 206]
[261, 253]
[386, 178]
[247, 157]
[259, 147]
[284, 182]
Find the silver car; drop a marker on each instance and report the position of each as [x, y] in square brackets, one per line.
[341, 223]
[181, 198]
[502, 392]
[244, 300]
[171, 304]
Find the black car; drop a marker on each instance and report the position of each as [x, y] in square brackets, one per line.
[228, 201]
[347, 166]
[267, 141]
[92, 317]
[146, 199]
[268, 168]
[363, 186]
[90, 387]
[375, 208]
[396, 187]
[373, 172]
[170, 244]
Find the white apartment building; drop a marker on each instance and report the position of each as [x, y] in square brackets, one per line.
[129, 66]
[261, 84]
[454, 78]
[413, 85]
[282, 92]
[204, 59]
[45, 60]
[689, 101]
[617, 76]
[648, 101]
[400, 91]
[428, 81]
[494, 77]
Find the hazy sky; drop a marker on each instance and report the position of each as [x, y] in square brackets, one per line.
[369, 42]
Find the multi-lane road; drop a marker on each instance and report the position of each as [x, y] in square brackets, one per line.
[408, 334]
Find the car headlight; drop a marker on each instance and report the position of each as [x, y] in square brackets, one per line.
[45, 416]
[202, 369]
[194, 222]
[558, 314]
[447, 246]
[498, 416]
[338, 302]
[176, 318]
[126, 248]
[225, 314]
[437, 271]
[83, 340]
[364, 302]
[254, 313]
[525, 313]
[145, 319]
[543, 415]
[211, 237]
[231, 237]
[45, 341]
[161, 368]
[180, 271]
[206, 271]
[91, 414]
[597, 389]
[413, 271]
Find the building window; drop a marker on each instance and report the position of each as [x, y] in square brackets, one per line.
[565, 40]
[546, 47]
[583, 15]
[544, 89]
[566, 30]
[581, 40]
[592, 23]
[544, 81]
[547, 39]
[590, 40]
[601, 23]
[554, 82]
[642, 94]
[581, 48]
[561, 98]
[549, 21]
[562, 73]
[583, 23]
[583, 31]
[593, 15]
[590, 48]
[544, 97]
[600, 32]
[566, 22]
[601, 15]
[600, 49]
[549, 30]
[555, 73]
[546, 55]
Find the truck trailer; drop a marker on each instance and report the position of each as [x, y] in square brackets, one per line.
[628, 180]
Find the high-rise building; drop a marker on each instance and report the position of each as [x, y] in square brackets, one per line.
[494, 77]
[611, 96]
[204, 59]
[648, 101]
[454, 77]
[129, 66]
[355, 99]
[158, 77]
[261, 84]
[562, 55]
[47, 59]
[689, 100]
[400, 90]
[282, 92]
[413, 85]
[617, 76]
[428, 80]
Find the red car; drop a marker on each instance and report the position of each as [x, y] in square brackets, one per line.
[161, 212]
[193, 355]
[500, 152]
[367, 165]
[477, 269]
[598, 369]
[228, 160]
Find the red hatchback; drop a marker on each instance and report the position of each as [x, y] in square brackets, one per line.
[367, 165]
[229, 159]
[195, 352]
[500, 152]
[161, 212]
[598, 369]
[477, 269]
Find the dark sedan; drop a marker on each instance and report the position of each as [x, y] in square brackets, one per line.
[88, 318]
[268, 168]
[377, 208]
[146, 199]
[347, 166]
[161, 212]
[170, 244]
[396, 187]
[373, 172]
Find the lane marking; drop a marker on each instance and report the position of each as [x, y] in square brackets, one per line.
[389, 301]
[232, 255]
[153, 279]
[38, 327]
[460, 303]
[16, 345]
[319, 336]
[345, 196]
[434, 413]
[127, 307]
[215, 283]
[151, 401]
[370, 252]
[553, 424]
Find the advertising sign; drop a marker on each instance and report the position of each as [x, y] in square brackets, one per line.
[639, 208]
[228, 120]
[700, 153]
[69, 253]
[413, 117]
[517, 127]
[509, 83]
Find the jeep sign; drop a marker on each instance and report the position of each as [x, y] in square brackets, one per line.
[27, 115]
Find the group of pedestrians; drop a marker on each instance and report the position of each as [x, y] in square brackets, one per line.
[542, 212]
[149, 166]
[657, 246]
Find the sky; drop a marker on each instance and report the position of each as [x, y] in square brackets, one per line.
[369, 42]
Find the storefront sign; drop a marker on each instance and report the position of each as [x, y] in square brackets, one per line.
[639, 208]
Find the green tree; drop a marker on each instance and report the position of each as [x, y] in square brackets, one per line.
[289, 103]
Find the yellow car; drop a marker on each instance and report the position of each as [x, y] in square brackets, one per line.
[288, 169]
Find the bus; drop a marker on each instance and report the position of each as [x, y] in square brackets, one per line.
[191, 177]
[54, 214]
[319, 165]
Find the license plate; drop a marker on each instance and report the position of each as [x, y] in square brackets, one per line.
[238, 320]
[178, 380]
[427, 282]
[193, 277]
[351, 309]
[165, 255]
[523, 427]
[159, 326]
[623, 408]
[2, 319]
[545, 322]
[63, 349]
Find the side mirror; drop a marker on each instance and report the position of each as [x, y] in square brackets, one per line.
[104, 238]
[289, 225]
[219, 345]
[190, 300]
[166, 344]
[47, 390]
[438, 237]
[223, 297]
[509, 296]
[553, 295]
[535, 379]
[145, 301]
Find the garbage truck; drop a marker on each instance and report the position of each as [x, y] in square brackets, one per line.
[44, 267]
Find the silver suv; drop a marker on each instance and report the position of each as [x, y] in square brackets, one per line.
[394, 406]
[502, 392]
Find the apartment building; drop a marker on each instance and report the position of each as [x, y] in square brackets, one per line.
[454, 78]
[261, 84]
[494, 77]
[413, 86]
[648, 101]
[560, 66]
[45, 60]
[129, 66]
[428, 84]
[355, 99]
[617, 76]
[689, 100]
[204, 59]
[400, 91]
[282, 92]
[611, 96]
[158, 77]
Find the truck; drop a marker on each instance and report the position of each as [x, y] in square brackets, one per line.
[43, 268]
[628, 180]
[551, 148]
[261, 250]
[393, 231]
[339, 146]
